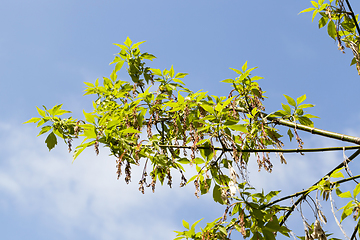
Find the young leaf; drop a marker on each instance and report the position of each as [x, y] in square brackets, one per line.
[305, 121]
[356, 190]
[307, 10]
[89, 117]
[195, 223]
[244, 67]
[237, 71]
[208, 108]
[286, 108]
[41, 112]
[180, 75]
[300, 99]
[337, 174]
[185, 224]
[306, 105]
[238, 127]
[128, 42]
[315, 4]
[137, 44]
[289, 132]
[345, 195]
[32, 120]
[290, 100]
[44, 130]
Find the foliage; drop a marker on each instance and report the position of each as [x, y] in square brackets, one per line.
[154, 119]
[342, 25]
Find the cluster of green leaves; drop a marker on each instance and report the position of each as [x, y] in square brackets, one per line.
[294, 112]
[341, 25]
[153, 116]
[64, 128]
[251, 214]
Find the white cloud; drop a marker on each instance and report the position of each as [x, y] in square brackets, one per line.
[84, 196]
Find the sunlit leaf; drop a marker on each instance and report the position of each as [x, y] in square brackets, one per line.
[185, 224]
[290, 100]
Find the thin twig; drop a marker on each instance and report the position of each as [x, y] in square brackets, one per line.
[336, 220]
[353, 16]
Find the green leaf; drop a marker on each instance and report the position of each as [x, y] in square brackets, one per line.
[198, 160]
[268, 235]
[130, 130]
[148, 56]
[51, 141]
[305, 121]
[208, 108]
[244, 67]
[337, 174]
[353, 61]
[180, 75]
[286, 108]
[300, 99]
[81, 148]
[89, 117]
[32, 120]
[195, 223]
[356, 190]
[306, 106]
[61, 112]
[307, 10]
[178, 81]
[345, 195]
[332, 29]
[290, 100]
[323, 21]
[238, 127]
[185, 224]
[128, 42]
[183, 161]
[156, 71]
[137, 44]
[256, 78]
[315, 4]
[314, 14]
[310, 116]
[289, 132]
[119, 65]
[237, 71]
[348, 209]
[228, 80]
[41, 112]
[217, 194]
[44, 130]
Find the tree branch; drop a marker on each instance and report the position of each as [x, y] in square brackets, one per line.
[355, 154]
[353, 16]
[312, 130]
[267, 150]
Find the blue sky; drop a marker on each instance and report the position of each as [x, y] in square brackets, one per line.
[49, 48]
